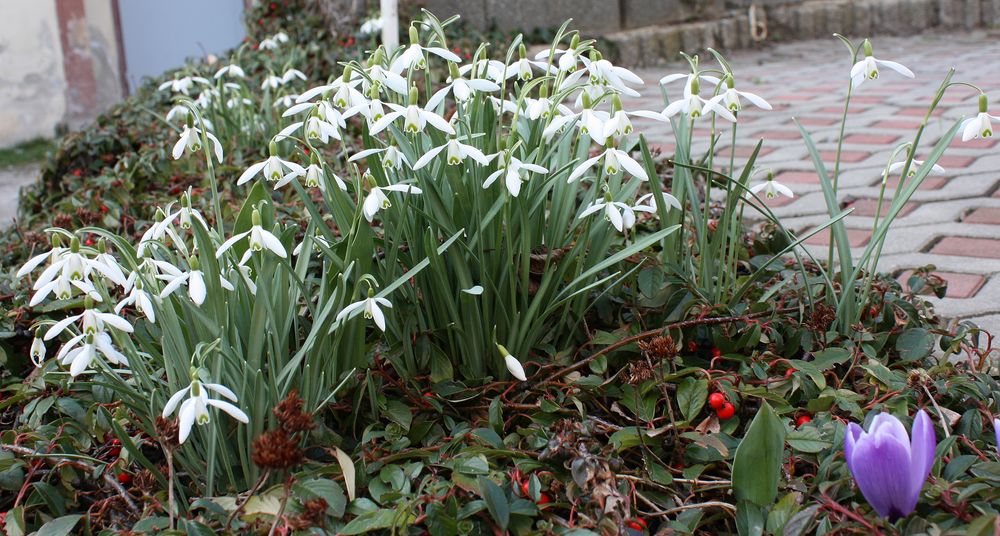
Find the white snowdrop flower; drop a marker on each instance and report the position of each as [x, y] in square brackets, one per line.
[772, 188]
[494, 70]
[462, 89]
[602, 74]
[138, 297]
[415, 119]
[620, 215]
[414, 57]
[392, 158]
[194, 410]
[914, 166]
[691, 81]
[292, 74]
[867, 67]
[514, 172]
[980, 125]
[259, 239]
[377, 199]
[457, 152]
[183, 84]
[372, 309]
[273, 168]
[512, 364]
[190, 142]
[37, 351]
[272, 81]
[371, 26]
[79, 352]
[615, 160]
[231, 70]
[731, 98]
[194, 279]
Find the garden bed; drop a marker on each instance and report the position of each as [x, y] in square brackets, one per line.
[429, 299]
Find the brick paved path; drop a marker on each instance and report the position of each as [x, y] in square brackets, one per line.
[952, 222]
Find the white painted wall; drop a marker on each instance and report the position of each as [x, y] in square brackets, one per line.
[32, 86]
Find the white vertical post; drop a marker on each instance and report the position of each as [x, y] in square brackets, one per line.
[390, 24]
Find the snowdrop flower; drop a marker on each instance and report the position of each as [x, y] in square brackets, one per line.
[415, 118]
[513, 365]
[371, 307]
[190, 141]
[371, 26]
[182, 85]
[155, 233]
[889, 467]
[68, 270]
[316, 178]
[392, 159]
[691, 81]
[413, 57]
[602, 74]
[523, 68]
[317, 241]
[614, 161]
[494, 70]
[79, 352]
[237, 101]
[137, 297]
[273, 42]
[195, 408]
[285, 101]
[384, 78]
[461, 88]
[648, 201]
[272, 81]
[323, 123]
[259, 240]
[514, 172]
[377, 200]
[867, 68]
[731, 98]
[231, 70]
[457, 153]
[542, 107]
[621, 215]
[292, 74]
[695, 106]
[53, 255]
[771, 188]
[194, 278]
[568, 58]
[178, 111]
[372, 110]
[37, 351]
[898, 166]
[273, 168]
[980, 125]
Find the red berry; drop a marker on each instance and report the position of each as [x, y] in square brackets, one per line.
[789, 372]
[716, 353]
[716, 400]
[803, 419]
[543, 499]
[726, 412]
[637, 524]
[692, 346]
[525, 487]
[124, 478]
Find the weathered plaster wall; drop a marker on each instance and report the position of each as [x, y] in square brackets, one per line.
[32, 84]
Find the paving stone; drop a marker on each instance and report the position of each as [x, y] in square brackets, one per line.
[871, 139]
[962, 286]
[867, 207]
[964, 246]
[985, 215]
[931, 182]
[855, 237]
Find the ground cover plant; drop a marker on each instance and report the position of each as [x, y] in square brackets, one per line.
[455, 295]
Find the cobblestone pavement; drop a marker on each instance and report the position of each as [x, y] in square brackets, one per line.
[952, 221]
[11, 180]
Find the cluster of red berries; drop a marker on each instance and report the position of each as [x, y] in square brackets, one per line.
[724, 409]
[637, 524]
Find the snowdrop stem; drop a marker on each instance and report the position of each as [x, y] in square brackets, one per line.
[836, 161]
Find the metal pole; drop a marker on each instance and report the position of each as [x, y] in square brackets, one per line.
[390, 24]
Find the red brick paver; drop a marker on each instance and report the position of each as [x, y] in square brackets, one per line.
[960, 286]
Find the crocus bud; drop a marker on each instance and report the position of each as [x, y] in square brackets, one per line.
[513, 365]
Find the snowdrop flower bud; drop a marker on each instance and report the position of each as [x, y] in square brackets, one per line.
[414, 96]
[38, 349]
[513, 365]
[414, 35]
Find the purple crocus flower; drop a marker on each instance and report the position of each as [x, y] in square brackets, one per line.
[996, 432]
[889, 468]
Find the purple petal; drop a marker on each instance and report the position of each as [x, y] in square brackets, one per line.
[922, 449]
[996, 432]
[851, 436]
[881, 467]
